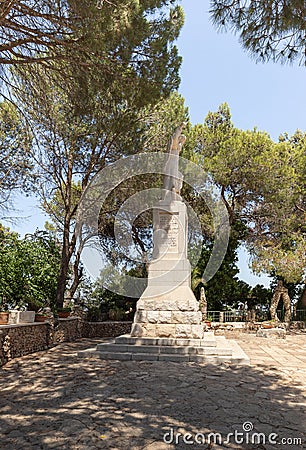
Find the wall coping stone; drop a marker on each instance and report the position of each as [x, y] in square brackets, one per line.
[111, 321]
[29, 324]
[69, 318]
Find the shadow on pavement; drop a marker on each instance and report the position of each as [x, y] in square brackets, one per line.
[53, 400]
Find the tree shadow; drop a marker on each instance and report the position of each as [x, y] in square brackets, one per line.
[53, 400]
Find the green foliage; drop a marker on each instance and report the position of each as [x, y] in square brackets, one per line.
[268, 29]
[271, 208]
[100, 303]
[88, 115]
[105, 304]
[279, 234]
[224, 288]
[28, 269]
[115, 42]
[55, 206]
[14, 152]
[235, 159]
[259, 295]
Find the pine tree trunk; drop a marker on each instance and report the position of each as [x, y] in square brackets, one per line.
[62, 277]
[68, 244]
[77, 276]
[274, 304]
[303, 301]
[287, 306]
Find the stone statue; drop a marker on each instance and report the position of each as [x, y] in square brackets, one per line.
[173, 179]
[280, 292]
[203, 303]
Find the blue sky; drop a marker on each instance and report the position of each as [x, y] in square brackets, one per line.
[216, 69]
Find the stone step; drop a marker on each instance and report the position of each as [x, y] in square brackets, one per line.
[209, 340]
[238, 356]
[121, 348]
[128, 356]
[157, 349]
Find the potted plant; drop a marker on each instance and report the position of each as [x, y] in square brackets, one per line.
[268, 324]
[4, 316]
[40, 317]
[208, 321]
[63, 313]
[4, 313]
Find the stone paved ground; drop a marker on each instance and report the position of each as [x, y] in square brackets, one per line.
[53, 400]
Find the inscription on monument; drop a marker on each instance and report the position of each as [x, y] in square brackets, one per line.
[169, 223]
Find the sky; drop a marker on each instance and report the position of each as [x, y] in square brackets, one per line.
[216, 69]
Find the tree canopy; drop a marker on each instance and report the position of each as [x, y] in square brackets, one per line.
[83, 120]
[14, 153]
[268, 29]
[47, 30]
[28, 269]
[271, 209]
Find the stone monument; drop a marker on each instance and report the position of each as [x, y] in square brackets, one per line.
[168, 322]
[168, 307]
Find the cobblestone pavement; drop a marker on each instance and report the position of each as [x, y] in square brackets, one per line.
[53, 400]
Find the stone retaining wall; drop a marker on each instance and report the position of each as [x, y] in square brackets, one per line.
[105, 329]
[67, 330]
[22, 339]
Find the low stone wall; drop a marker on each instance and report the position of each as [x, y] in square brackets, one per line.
[105, 329]
[22, 339]
[67, 330]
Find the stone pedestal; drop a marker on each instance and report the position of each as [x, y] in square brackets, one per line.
[168, 307]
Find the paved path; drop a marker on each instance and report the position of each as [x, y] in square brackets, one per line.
[53, 400]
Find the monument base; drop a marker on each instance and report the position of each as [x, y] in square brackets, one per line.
[209, 350]
[173, 314]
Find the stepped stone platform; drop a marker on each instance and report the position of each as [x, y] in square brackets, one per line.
[209, 350]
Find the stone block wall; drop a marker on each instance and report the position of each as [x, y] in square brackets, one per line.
[67, 330]
[22, 339]
[105, 329]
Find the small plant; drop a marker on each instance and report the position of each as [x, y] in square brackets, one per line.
[94, 314]
[40, 316]
[63, 312]
[4, 307]
[66, 309]
[116, 314]
[269, 324]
